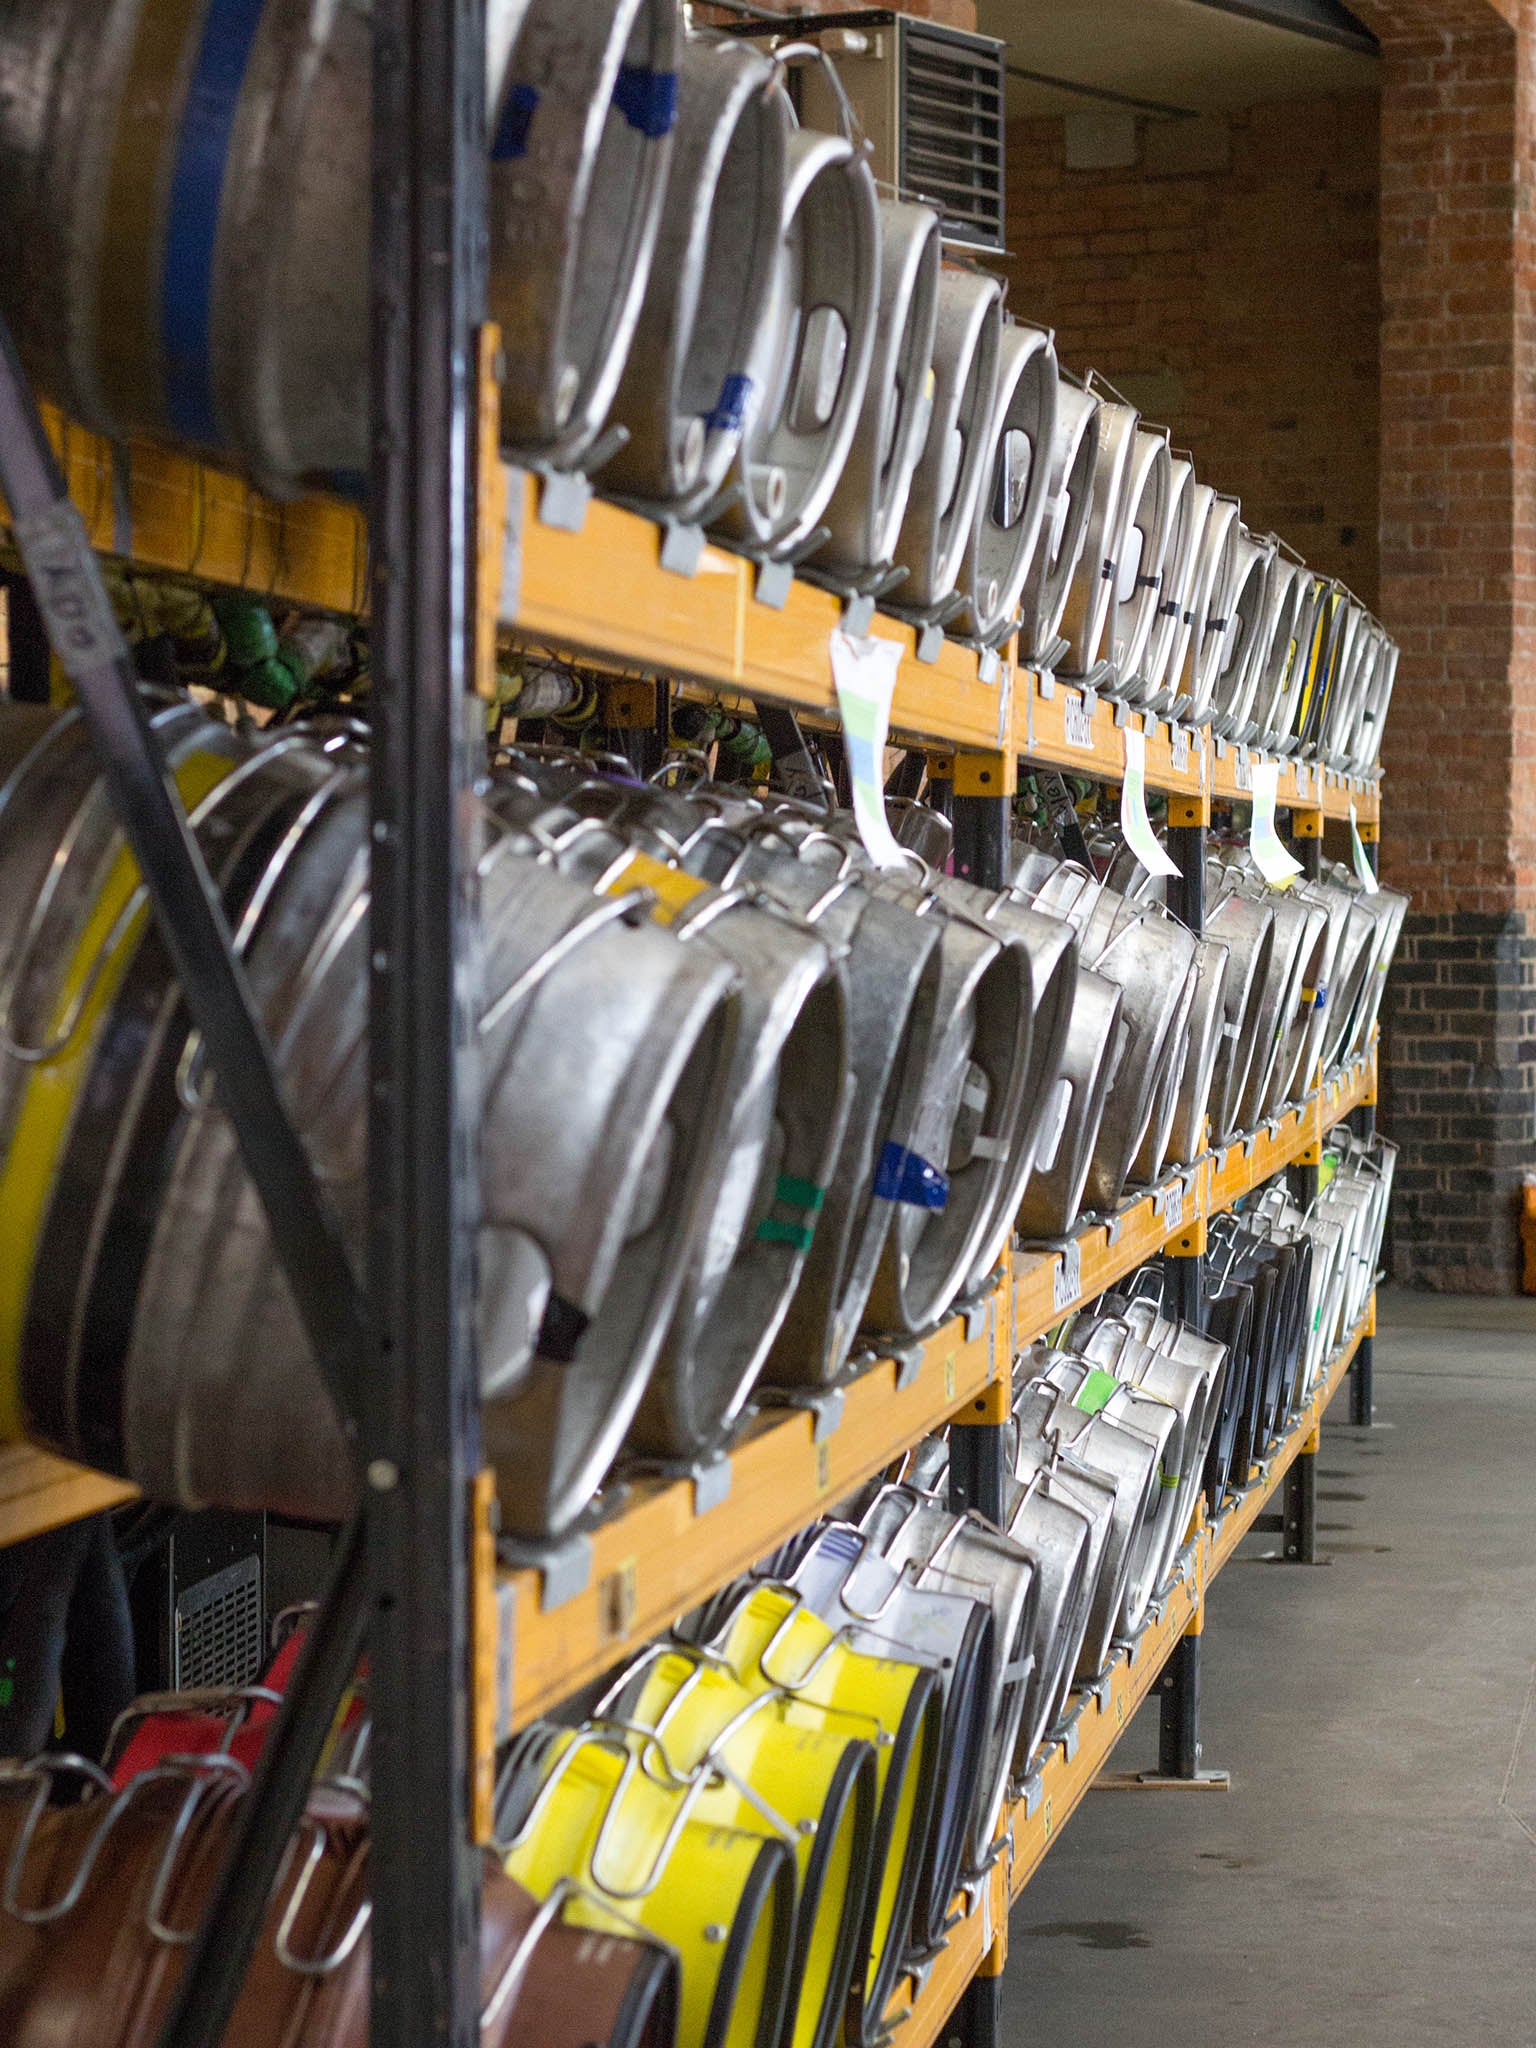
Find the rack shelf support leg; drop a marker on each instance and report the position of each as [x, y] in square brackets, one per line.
[1362, 1391]
[977, 2021]
[1300, 1507]
[1178, 1726]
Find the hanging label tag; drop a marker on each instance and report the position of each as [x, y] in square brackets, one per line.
[1278, 867]
[1169, 1204]
[1067, 1281]
[1365, 874]
[864, 675]
[1243, 770]
[1134, 822]
[1178, 744]
[1078, 721]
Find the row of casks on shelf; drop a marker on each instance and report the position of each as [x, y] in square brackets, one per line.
[755, 1110]
[701, 299]
[759, 1827]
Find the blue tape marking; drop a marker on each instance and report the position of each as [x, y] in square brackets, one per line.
[192, 216]
[730, 413]
[903, 1177]
[647, 99]
[516, 119]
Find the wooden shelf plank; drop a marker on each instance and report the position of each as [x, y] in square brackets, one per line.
[603, 594]
[39, 1492]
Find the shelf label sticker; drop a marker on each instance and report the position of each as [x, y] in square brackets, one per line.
[864, 676]
[1077, 713]
[1365, 874]
[1178, 746]
[1243, 769]
[1134, 822]
[1278, 867]
[1067, 1280]
[1169, 1204]
[618, 1599]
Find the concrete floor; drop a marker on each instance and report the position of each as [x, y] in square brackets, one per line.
[1370, 1879]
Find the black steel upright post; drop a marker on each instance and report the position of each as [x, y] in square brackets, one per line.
[977, 2021]
[976, 1442]
[1178, 1725]
[428, 257]
[1184, 1274]
[981, 808]
[1362, 1371]
[981, 840]
[1299, 1509]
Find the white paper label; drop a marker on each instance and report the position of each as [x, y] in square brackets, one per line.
[1178, 741]
[1067, 1283]
[864, 675]
[1243, 768]
[1278, 867]
[1134, 822]
[1170, 1204]
[1079, 722]
[1365, 873]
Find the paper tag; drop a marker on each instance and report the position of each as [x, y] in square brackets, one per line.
[1169, 1204]
[1364, 872]
[1243, 770]
[1178, 742]
[1078, 714]
[864, 675]
[1278, 867]
[1067, 1282]
[1134, 822]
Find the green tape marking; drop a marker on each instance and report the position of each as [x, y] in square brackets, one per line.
[1096, 1391]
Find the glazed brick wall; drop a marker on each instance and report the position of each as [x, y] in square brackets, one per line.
[1247, 296]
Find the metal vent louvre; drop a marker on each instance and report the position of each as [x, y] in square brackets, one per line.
[218, 1637]
[952, 129]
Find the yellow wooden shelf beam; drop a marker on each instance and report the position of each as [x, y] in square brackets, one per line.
[604, 594]
[39, 1492]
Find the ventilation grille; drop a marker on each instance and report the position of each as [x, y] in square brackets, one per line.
[218, 1634]
[952, 140]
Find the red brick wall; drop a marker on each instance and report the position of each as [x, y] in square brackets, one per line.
[1241, 305]
[1456, 488]
[1458, 515]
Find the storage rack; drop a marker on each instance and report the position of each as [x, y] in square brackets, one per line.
[463, 1648]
